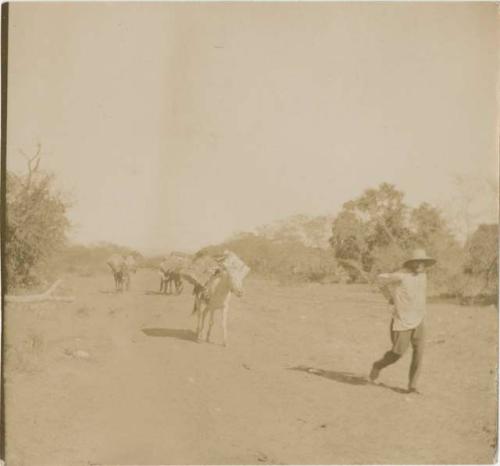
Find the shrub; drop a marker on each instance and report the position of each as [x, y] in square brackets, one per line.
[36, 226]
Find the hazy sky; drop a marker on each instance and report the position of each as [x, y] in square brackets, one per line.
[174, 125]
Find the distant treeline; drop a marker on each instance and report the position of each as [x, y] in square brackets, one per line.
[86, 260]
[287, 260]
[372, 233]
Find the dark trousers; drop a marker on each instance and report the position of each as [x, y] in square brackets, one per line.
[401, 340]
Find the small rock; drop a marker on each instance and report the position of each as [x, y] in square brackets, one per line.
[81, 354]
[82, 312]
[262, 457]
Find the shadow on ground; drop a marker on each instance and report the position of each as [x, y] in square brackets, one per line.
[344, 377]
[179, 333]
[158, 293]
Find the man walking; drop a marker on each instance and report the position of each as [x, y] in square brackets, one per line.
[408, 289]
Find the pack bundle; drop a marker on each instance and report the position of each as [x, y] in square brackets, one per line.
[116, 262]
[131, 264]
[199, 270]
[174, 261]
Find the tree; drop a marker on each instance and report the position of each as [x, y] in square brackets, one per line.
[311, 231]
[37, 223]
[377, 231]
[482, 260]
[369, 226]
[282, 257]
[473, 201]
[430, 230]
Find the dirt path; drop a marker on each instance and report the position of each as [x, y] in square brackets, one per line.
[118, 379]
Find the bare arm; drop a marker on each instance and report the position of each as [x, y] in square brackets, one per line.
[385, 281]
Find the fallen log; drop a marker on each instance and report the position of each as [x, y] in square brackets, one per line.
[47, 296]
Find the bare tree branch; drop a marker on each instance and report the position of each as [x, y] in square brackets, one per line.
[33, 163]
[357, 266]
[383, 223]
[47, 296]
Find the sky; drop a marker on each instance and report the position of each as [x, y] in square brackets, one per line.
[174, 125]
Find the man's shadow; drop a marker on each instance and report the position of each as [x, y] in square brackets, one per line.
[179, 333]
[344, 377]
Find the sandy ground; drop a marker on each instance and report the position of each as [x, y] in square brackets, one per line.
[118, 379]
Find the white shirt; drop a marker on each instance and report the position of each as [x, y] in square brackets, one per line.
[409, 292]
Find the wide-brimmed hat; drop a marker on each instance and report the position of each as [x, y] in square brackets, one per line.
[419, 255]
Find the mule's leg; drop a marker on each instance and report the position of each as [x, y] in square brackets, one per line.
[178, 286]
[210, 324]
[225, 311]
[202, 315]
[122, 281]
[198, 311]
[199, 325]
